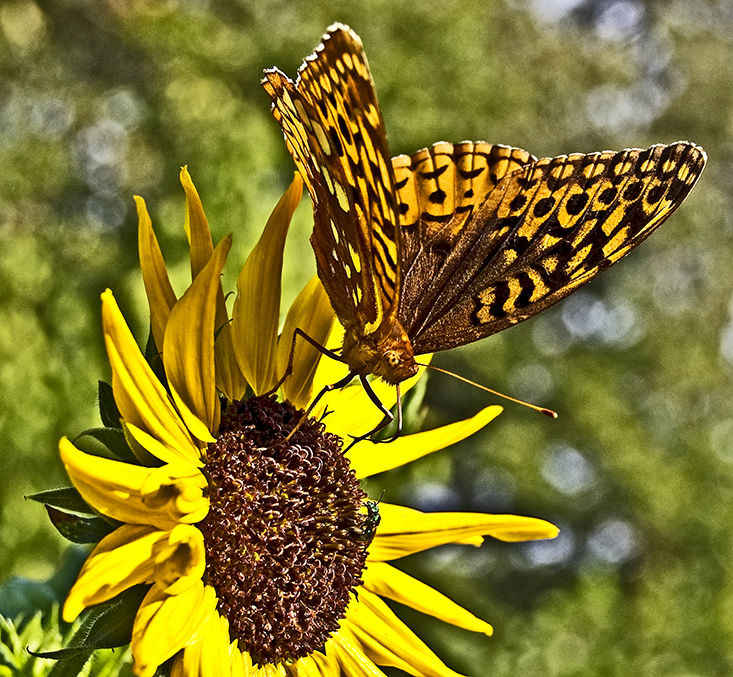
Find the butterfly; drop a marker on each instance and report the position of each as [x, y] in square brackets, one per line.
[425, 252]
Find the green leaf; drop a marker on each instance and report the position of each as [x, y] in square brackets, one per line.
[105, 442]
[61, 654]
[71, 667]
[23, 636]
[109, 625]
[79, 529]
[108, 411]
[66, 499]
[106, 626]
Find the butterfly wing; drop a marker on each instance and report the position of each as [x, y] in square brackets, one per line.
[541, 231]
[438, 191]
[334, 130]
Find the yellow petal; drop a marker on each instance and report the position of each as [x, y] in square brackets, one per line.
[387, 640]
[167, 623]
[256, 310]
[161, 297]
[315, 665]
[196, 226]
[120, 560]
[163, 497]
[236, 661]
[180, 560]
[188, 349]
[330, 371]
[180, 490]
[353, 413]
[147, 448]
[369, 458]
[386, 581]
[209, 655]
[312, 313]
[403, 531]
[229, 378]
[249, 668]
[352, 659]
[139, 395]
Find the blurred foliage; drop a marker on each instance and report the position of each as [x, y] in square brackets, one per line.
[101, 100]
[30, 621]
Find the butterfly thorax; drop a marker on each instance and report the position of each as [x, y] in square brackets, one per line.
[386, 352]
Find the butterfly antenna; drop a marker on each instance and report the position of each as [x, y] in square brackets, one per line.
[542, 410]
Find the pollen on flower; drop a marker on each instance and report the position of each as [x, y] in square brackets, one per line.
[280, 539]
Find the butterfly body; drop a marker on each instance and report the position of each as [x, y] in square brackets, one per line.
[429, 251]
[386, 352]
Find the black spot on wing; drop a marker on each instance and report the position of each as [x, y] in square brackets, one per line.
[576, 203]
[544, 206]
[336, 144]
[470, 173]
[345, 131]
[608, 195]
[437, 197]
[435, 174]
[633, 191]
[518, 202]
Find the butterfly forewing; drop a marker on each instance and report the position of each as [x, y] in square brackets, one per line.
[333, 127]
[543, 231]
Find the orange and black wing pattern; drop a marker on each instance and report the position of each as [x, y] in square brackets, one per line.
[334, 130]
[478, 262]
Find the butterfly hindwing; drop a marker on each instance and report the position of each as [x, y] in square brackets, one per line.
[438, 191]
[541, 232]
[334, 130]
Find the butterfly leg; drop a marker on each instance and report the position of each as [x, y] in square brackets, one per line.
[326, 389]
[388, 416]
[291, 357]
[340, 384]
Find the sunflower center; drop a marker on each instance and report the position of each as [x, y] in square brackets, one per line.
[283, 535]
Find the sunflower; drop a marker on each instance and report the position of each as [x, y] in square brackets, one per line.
[256, 549]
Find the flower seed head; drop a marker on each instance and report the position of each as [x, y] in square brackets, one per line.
[280, 537]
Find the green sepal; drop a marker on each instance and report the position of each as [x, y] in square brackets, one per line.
[73, 517]
[79, 529]
[105, 626]
[108, 411]
[66, 499]
[105, 442]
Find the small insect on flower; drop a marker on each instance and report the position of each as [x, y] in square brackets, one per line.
[371, 521]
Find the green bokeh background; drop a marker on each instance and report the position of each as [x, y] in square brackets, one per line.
[103, 100]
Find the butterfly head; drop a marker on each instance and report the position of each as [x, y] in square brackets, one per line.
[386, 353]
